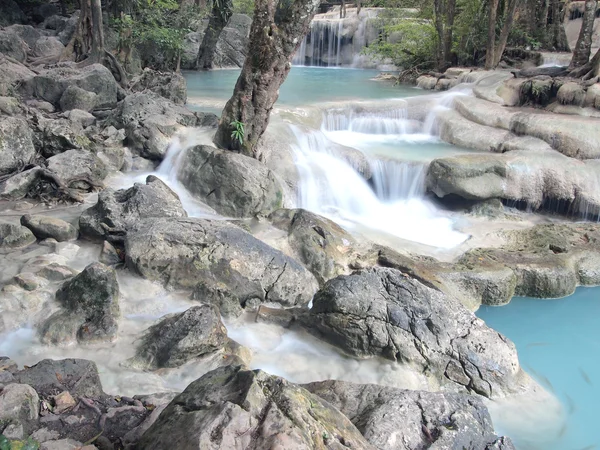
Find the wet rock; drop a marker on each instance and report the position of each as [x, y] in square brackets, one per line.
[28, 281]
[91, 308]
[391, 418]
[78, 169]
[17, 186]
[44, 227]
[406, 321]
[233, 184]
[50, 377]
[13, 46]
[14, 236]
[183, 252]
[179, 338]
[109, 254]
[170, 85]
[150, 121]
[19, 403]
[236, 408]
[16, 144]
[75, 97]
[48, 46]
[117, 211]
[56, 272]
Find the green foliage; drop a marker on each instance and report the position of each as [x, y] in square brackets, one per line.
[238, 131]
[28, 444]
[243, 7]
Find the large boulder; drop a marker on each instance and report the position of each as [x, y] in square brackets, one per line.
[14, 236]
[48, 46]
[13, 46]
[19, 404]
[232, 407]
[16, 144]
[78, 169]
[46, 227]
[170, 85]
[75, 97]
[59, 135]
[51, 84]
[118, 211]
[10, 13]
[90, 304]
[11, 74]
[19, 185]
[399, 419]
[233, 184]
[182, 253]
[150, 121]
[384, 312]
[179, 338]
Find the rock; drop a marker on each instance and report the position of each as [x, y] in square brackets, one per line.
[320, 244]
[29, 34]
[179, 338]
[170, 85]
[150, 121]
[117, 211]
[74, 97]
[60, 135]
[592, 96]
[11, 75]
[9, 106]
[91, 308]
[19, 403]
[16, 144]
[10, 13]
[208, 120]
[17, 186]
[109, 254]
[51, 84]
[41, 105]
[50, 377]
[67, 27]
[13, 46]
[391, 418]
[14, 431]
[79, 117]
[235, 408]
[14, 236]
[407, 321]
[63, 402]
[78, 169]
[48, 46]
[44, 227]
[28, 281]
[233, 184]
[56, 272]
[571, 94]
[183, 252]
[62, 444]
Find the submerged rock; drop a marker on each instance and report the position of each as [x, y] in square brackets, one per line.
[383, 312]
[44, 227]
[233, 184]
[399, 419]
[181, 253]
[232, 407]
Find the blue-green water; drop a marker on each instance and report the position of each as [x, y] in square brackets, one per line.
[558, 342]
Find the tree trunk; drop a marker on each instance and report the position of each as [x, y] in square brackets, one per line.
[220, 14]
[358, 7]
[438, 20]
[589, 70]
[583, 49]
[508, 22]
[448, 29]
[558, 36]
[275, 35]
[491, 43]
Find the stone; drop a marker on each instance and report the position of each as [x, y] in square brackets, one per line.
[183, 252]
[109, 254]
[571, 94]
[78, 169]
[48, 46]
[9, 106]
[41, 105]
[80, 117]
[391, 418]
[11, 13]
[44, 227]
[19, 185]
[14, 431]
[75, 97]
[90, 304]
[233, 184]
[56, 272]
[170, 85]
[232, 407]
[406, 321]
[118, 211]
[179, 338]
[19, 403]
[61, 444]
[16, 144]
[13, 46]
[49, 377]
[63, 402]
[11, 74]
[44, 434]
[60, 135]
[14, 236]
[28, 281]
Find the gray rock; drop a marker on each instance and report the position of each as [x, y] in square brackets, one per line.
[170, 85]
[11, 75]
[179, 338]
[17, 186]
[79, 117]
[27, 33]
[184, 252]
[47, 46]
[150, 121]
[78, 169]
[44, 227]
[19, 403]
[77, 376]
[61, 444]
[14, 431]
[384, 312]
[9, 106]
[16, 144]
[109, 255]
[233, 184]
[235, 408]
[74, 97]
[15, 236]
[67, 28]
[91, 308]
[571, 94]
[12, 45]
[60, 135]
[11, 13]
[117, 211]
[41, 105]
[398, 419]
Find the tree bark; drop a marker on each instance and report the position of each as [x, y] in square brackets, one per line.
[590, 70]
[491, 43]
[448, 29]
[221, 12]
[508, 23]
[583, 48]
[438, 20]
[276, 33]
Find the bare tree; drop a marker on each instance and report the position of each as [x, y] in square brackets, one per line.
[221, 12]
[509, 17]
[277, 30]
[443, 17]
[583, 48]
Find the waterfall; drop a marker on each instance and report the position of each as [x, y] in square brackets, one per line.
[393, 121]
